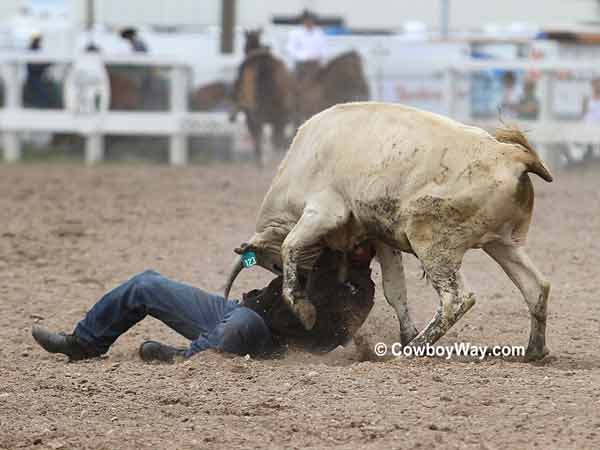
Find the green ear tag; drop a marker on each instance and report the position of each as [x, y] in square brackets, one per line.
[249, 259]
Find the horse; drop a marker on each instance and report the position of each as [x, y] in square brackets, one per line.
[341, 80]
[137, 88]
[209, 97]
[264, 91]
[124, 92]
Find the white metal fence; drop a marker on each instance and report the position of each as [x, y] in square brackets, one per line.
[451, 90]
[177, 122]
[559, 128]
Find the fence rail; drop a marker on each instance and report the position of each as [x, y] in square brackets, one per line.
[553, 137]
[452, 85]
[178, 123]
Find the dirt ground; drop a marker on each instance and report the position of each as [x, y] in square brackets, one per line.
[69, 233]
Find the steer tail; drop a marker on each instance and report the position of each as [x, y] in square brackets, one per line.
[538, 167]
[529, 157]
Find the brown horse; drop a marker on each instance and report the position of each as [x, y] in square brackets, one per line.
[124, 92]
[264, 91]
[341, 80]
[210, 97]
[137, 89]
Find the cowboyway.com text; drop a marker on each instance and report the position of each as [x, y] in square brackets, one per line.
[457, 349]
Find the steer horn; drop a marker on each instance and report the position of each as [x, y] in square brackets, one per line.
[236, 268]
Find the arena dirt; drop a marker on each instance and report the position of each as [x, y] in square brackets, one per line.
[69, 233]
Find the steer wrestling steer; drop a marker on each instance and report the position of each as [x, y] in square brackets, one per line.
[410, 181]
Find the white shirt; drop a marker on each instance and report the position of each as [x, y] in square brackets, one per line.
[510, 102]
[87, 86]
[593, 111]
[304, 44]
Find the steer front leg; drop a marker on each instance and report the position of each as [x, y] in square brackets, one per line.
[293, 292]
[301, 247]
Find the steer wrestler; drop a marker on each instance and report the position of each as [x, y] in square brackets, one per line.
[261, 325]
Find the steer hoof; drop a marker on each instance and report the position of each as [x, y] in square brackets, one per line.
[307, 313]
[408, 336]
[535, 354]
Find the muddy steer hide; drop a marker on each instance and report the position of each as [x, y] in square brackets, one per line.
[409, 181]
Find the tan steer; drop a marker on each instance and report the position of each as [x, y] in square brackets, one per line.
[408, 181]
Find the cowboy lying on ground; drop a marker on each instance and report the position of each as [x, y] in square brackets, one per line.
[260, 325]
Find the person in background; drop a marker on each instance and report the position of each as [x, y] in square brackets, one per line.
[37, 90]
[137, 45]
[529, 104]
[591, 105]
[510, 96]
[591, 115]
[91, 47]
[147, 78]
[87, 85]
[306, 46]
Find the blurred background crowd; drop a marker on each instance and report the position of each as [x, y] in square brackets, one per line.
[404, 50]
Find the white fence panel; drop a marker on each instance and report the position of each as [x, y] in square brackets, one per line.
[178, 123]
[448, 87]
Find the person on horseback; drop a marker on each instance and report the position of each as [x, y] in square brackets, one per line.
[264, 91]
[307, 46]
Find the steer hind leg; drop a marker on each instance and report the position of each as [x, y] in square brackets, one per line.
[394, 288]
[303, 244]
[534, 287]
[442, 266]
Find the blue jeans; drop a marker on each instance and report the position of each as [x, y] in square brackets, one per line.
[205, 319]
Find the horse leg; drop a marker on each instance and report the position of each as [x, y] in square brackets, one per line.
[255, 126]
[279, 140]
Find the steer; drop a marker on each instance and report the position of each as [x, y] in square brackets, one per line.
[403, 180]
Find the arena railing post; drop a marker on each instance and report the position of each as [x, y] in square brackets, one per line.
[14, 98]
